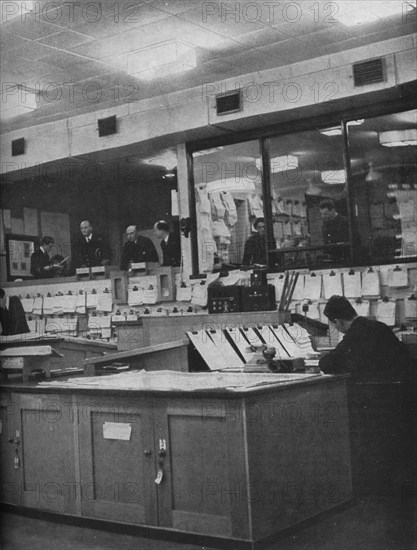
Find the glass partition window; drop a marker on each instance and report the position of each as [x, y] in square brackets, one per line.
[228, 192]
[383, 182]
[309, 197]
[334, 196]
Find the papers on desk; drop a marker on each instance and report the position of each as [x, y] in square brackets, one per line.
[180, 381]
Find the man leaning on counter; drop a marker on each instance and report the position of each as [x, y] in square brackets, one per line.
[369, 349]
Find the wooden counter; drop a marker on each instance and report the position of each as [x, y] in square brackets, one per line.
[236, 466]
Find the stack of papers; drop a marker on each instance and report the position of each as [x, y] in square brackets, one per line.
[181, 381]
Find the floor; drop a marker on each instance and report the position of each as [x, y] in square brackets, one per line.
[371, 523]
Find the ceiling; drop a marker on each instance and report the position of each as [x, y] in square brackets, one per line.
[74, 55]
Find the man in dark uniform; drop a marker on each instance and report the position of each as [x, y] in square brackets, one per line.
[255, 246]
[335, 230]
[335, 226]
[91, 249]
[137, 249]
[170, 246]
[41, 267]
[369, 350]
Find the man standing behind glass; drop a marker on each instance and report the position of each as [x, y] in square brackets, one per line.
[170, 246]
[91, 249]
[137, 249]
[41, 266]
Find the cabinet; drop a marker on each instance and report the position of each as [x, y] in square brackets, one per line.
[240, 466]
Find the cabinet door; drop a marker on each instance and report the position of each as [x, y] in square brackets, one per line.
[116, 459]
[48, 440]
[10, 451]
[199, 450]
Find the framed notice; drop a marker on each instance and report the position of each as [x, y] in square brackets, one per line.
[19, 249]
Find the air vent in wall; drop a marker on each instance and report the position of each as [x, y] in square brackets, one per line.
[18, 147]
[369, 72]
[107, 126]
[229, 102]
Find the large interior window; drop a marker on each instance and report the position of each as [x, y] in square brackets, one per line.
[309, 198]
[228, 191]
[328, 196]
[383, 181]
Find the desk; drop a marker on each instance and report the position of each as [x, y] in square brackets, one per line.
[237, 467]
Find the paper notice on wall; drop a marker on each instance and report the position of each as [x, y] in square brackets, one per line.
[104, 302]
[398, 277]
[352, 284]
[386, 312]
[361, 307]
[117, 430]
[332, 284]
[370, 283]
[410, 307]
[312, 287]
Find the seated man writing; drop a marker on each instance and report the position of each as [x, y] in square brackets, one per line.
[369, 349]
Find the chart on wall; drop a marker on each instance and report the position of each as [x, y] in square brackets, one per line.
[56, 225]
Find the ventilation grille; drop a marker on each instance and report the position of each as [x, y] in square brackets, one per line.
[18, 147]
[229, 103]
[107, 126]
[369, 72]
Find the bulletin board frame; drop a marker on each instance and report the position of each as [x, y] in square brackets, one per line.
[18, 248]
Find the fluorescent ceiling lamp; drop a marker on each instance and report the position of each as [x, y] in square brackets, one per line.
[204, 152]
[163, 59]
[373, 175]
[167, 158]
[232, 185]
[334, 131]
[280, 164]
[398, 138]
[333, 176]
[16, 101]
[358, 12]
[356, 122]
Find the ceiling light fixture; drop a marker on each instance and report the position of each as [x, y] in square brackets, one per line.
[167, 158]
[356, 122]
[372, 175]
[351, 13]
[280, 164]
[333, 131]
[163, 59]
[398, 138]
[333, 176]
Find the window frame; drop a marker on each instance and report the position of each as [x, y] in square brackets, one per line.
[341, 117]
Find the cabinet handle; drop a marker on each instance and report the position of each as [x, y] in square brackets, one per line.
[147, 452]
